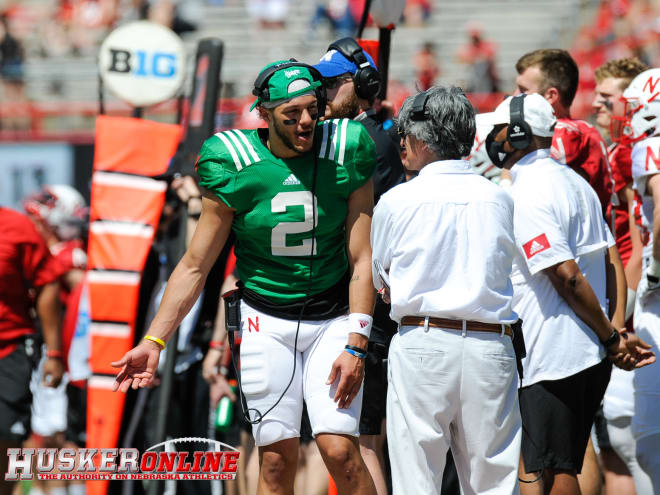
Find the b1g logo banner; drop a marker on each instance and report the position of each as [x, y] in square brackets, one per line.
[142, 63]
[221, 463]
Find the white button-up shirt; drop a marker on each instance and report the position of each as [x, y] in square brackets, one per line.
[446, 240]
[557, 218]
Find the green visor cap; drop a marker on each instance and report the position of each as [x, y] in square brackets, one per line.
[288, 83]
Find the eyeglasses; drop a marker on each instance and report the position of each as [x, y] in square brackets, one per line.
[401, 132]
[335, 82]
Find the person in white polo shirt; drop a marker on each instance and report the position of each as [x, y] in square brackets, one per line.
[562, 276]
[443, 243]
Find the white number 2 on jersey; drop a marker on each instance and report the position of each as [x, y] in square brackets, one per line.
[279, 204]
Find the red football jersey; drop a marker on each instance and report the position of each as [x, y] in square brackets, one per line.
[617, 211]
[579, 145]
[25, 263]
[70, 254]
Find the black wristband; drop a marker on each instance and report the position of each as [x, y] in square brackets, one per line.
[612, 339]
[355, 348]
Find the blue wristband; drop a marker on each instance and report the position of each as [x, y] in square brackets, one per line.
[360, 355]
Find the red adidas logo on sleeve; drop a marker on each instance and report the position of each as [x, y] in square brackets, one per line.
[535, 246]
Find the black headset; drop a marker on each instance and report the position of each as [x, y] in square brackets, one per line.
[366, 80]
[418, 110]
[261, 83]
[518, 134]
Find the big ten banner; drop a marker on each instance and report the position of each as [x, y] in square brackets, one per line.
[26, 167]
[142, 63]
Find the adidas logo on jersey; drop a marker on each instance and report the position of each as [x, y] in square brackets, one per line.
[535, 247]
[291, 180]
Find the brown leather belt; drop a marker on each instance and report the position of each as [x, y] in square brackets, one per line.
[475, 326]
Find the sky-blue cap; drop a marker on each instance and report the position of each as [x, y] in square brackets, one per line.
[334, 64]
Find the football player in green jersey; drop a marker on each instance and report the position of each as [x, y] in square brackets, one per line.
[299, 198]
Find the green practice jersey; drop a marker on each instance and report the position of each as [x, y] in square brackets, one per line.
[275, 207]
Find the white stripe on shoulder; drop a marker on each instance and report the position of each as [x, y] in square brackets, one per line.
[253, 153]
[324, 139]
[230, 147]
[333, 144]
[239, 147]
[342, 141]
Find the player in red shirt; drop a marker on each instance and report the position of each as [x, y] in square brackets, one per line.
[554, 74]
[58, 212]
[612, 79]
[28, 273]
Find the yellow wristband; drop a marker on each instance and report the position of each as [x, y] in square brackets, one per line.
[158, 341]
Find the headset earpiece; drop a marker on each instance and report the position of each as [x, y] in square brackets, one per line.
[519, 134]
[366, 80]
[418, 110]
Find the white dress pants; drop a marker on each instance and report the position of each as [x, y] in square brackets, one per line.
[445, 391]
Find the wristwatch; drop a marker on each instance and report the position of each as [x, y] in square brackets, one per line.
[614, 338]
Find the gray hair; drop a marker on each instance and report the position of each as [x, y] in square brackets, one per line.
[449, 126]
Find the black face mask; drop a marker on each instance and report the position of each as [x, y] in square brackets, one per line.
[495, 149]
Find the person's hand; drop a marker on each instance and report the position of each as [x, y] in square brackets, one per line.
[631, 352]
[384, 294]
[138, 367]
[52, 372]
[186, 188]
[220, 388]
[210, 365]
[349, 370]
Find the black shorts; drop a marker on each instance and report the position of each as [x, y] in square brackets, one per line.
[557, 417]
[15, 396]
[374, 394]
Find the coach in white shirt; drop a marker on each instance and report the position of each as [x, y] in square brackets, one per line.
[445, 242]
[562, 278]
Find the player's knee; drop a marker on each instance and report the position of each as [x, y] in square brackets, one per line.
[341, 456]
[278, 468]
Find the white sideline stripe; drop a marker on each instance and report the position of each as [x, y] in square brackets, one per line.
[342, 142]
[104, 382]
[324, 140]
[118, 278]
[230, 147]
[240, 148]
[255, 156]
[110, 329]
[132, 181]
[333, 145]
[122, 228]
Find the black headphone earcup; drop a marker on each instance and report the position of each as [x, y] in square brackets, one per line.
[367, 82]
[494, 149]
[321, 100]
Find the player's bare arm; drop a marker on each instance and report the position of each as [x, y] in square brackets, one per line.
[633, 268]
[48, 310]
[630, 352]
[616, 287]
[184, 286]
[347, 368]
